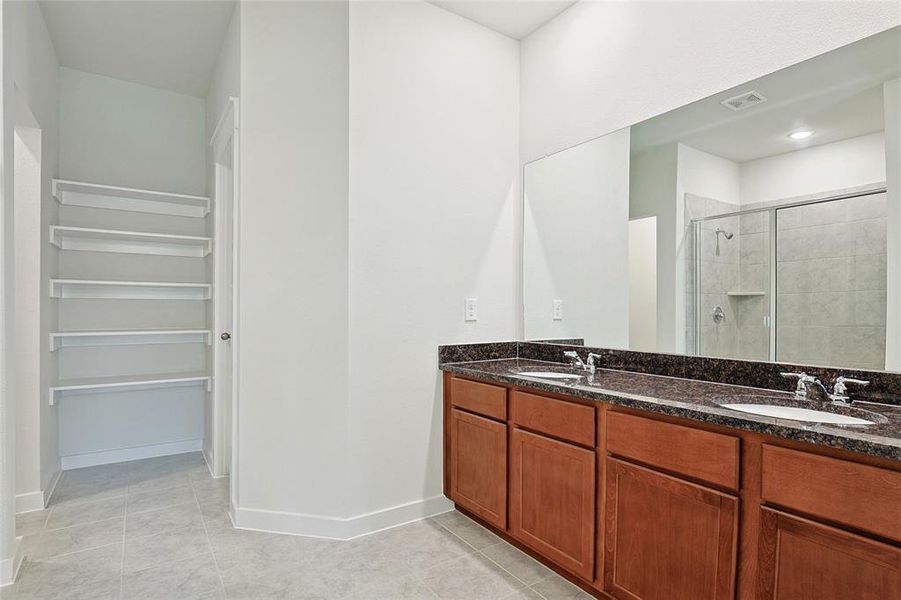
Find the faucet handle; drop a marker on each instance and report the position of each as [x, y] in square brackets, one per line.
[840, 387]
[574, 358]
[803, 380]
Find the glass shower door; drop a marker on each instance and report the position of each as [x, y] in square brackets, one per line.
[732, 259]
[831, 282]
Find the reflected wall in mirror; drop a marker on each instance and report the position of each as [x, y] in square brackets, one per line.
[760, 223]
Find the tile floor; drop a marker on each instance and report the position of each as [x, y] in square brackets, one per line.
[158, 529]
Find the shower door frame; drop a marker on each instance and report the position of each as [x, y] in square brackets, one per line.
[772, 317]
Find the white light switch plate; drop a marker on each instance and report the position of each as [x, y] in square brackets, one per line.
[471, 310]
[558, 310]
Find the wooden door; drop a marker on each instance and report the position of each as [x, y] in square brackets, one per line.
[667, 539]
[804, 560]
[552, 500]
[479, 466]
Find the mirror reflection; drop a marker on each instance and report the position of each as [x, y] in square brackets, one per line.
[760, 223]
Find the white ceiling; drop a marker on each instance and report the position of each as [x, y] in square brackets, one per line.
[513, 18]
[837, 94]
[164, 44]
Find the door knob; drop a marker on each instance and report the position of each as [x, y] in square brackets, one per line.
[225, 336]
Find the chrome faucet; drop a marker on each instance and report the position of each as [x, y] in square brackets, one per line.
[840, 388]
[812, 389]
[577, 363]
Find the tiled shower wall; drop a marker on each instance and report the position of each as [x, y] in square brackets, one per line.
[831, 283]
[726, 271]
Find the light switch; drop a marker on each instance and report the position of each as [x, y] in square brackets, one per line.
[558, 310]
[470, 310]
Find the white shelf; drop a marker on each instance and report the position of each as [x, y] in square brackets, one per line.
[744, 294]
[128, 242]
[92, 195]
[129, 290]
[131, 383]
[128, 337]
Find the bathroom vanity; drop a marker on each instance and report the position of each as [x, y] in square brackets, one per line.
[641, 486]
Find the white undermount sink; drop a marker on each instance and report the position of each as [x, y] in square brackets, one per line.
[797, 414]
[547, 374]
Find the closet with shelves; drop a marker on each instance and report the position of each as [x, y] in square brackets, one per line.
[129, 339]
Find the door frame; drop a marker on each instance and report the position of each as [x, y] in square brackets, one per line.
[224, 143]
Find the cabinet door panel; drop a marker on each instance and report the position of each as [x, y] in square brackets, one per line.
[667, 539]
[552, 500]
[804, 560]
[479, 466]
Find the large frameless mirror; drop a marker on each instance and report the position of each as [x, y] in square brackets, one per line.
[761, 223]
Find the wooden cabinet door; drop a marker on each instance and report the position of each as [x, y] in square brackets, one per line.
[804, 560]
[479, 466]
[667, 539]
[552, 500]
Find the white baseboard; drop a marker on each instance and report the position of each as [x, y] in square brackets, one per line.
[37, 500]
[210, 459]
[9, 567]
[335, 527]
[105, 457]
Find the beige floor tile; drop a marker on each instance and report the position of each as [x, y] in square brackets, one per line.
[161, 498]
[31, 522]
[78, 513]
[82, 491]
[149, 551]
[79, 537]
[150, 483]
[468, 530]
[91, 574]
[403, 588]
[557, 588]
[187, 579]
[517, 563]
[470, 577]
[165, 519]
[424, 544]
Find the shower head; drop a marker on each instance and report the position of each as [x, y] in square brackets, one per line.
[726, 234]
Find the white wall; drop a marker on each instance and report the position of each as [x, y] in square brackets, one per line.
[28, 92]
[34, 71]
[292, 416]
[434, 191]
[643, 284]
[576, 243]
[652, 193]
[837, 166]
[602, 66]
[122, 133]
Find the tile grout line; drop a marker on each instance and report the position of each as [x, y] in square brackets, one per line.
[209, 542]
[488, 558]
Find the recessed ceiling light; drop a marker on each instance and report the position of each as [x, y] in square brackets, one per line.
[803, 134]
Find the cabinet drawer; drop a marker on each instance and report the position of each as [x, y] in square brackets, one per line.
[703, 455]
[480, 398]
[566, 420]
[861, 496]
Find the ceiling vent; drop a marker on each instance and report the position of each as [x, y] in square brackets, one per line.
[743, 101]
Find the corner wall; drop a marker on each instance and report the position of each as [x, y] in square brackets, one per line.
[35, 105]
[434, 206]
[293, 266]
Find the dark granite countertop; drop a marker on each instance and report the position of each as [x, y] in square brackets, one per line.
[699, 401]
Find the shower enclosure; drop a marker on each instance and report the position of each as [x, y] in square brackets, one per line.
[801, 282]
